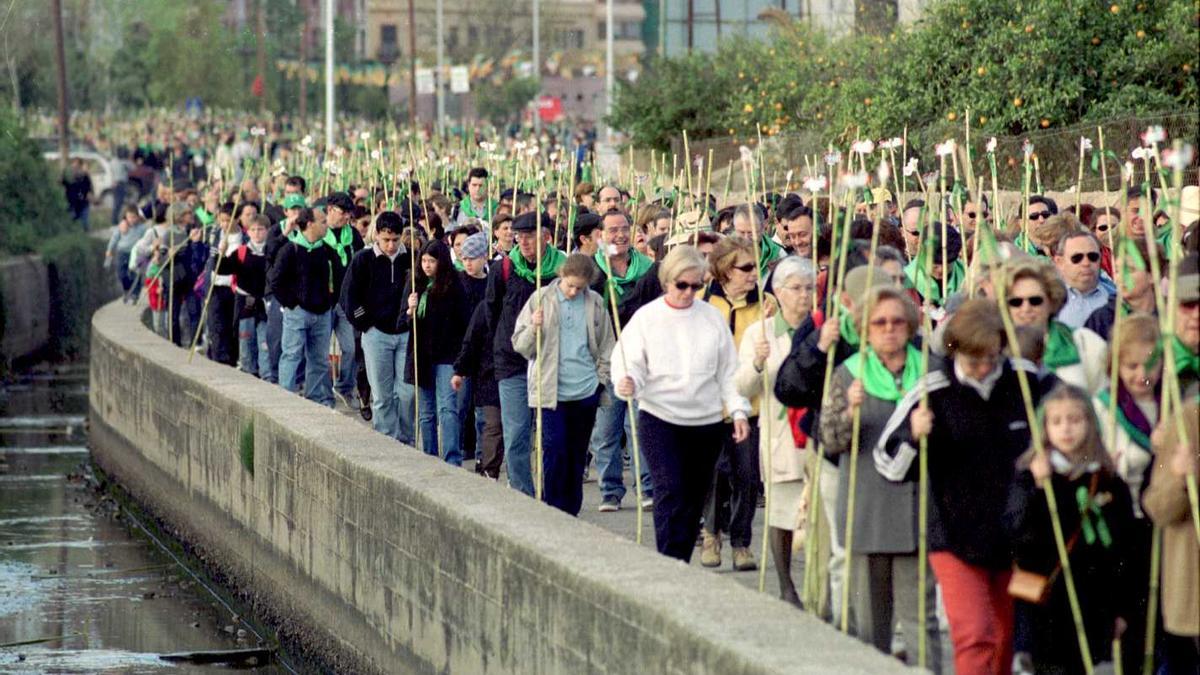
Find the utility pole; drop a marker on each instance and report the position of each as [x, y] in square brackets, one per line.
[261, 40]
[60, 60]
[537, 65]
[412, 64]
[304, 63]
[608, 63]
[441, 67]
[691, 20]
[329, 116]
[662, 28]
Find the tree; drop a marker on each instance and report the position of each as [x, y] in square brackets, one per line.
[502, 104]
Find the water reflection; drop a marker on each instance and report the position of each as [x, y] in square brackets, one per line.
[70, 570]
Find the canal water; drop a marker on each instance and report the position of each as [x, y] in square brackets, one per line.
[82, 585]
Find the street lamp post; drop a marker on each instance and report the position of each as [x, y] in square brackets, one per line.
[328, 75]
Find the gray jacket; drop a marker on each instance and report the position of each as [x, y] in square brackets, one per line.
[600, 341]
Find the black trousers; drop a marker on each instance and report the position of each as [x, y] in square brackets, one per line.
[223, 326]
[681, 465]
[733, 497]
[565, 437]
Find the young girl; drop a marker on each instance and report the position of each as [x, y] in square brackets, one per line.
[438, 310]
[576, 340]
[1096, 514]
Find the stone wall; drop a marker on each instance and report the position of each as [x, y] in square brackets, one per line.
[25, 303]
[382, 559]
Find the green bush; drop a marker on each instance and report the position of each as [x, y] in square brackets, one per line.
[32, 205]
[1017, 66]
[79, 285]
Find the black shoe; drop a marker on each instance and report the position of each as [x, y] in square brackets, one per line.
[366, 413]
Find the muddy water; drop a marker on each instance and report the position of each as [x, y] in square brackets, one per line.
[74, 567]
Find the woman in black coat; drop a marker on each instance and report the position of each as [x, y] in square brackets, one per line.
[438, 312]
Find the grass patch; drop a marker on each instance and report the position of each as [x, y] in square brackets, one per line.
[246, 447]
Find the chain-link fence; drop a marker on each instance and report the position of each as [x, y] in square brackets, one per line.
[1057, 151]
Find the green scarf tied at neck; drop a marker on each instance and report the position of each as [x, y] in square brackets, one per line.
[552, 259]
[879, 381]
[341, 241]
[1186, 360]
[930, 289]
[1089, 510]
[846, 327]
[1060, 347]
[422, 302]
[298, 239]
[638, 266]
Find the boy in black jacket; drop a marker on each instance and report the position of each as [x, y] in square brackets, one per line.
[278, 236]
[301, 280]
[247, 263]
[372, 298]
[344, 241]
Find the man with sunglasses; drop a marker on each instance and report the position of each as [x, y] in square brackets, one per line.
[1077, 258]
[1041, 209]
[910, 225]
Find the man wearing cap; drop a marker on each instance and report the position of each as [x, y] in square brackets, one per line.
[620, 269]
[925, 272]
[476, 204]
[345, 241]
[587, 233]
[511, 282]
[277, 237]
[372, 297]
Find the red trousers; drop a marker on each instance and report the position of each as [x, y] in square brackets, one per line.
[980, 613]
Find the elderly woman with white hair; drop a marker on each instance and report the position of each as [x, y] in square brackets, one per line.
[676, 357]
[762, 350]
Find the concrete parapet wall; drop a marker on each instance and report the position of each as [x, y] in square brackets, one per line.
[25, 297]
[382, 559]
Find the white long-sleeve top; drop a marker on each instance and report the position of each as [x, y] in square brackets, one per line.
[682, 362]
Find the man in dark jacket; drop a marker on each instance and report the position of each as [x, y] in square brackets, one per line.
[344, 241]
[372, 298]
[510, 285]
[277, 237]
[301, 280]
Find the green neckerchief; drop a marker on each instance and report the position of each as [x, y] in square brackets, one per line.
[311, 246]
[458, 265]
[1022, 242]
[1060, 347]
[204, 217]
[848, 331]
[341, 242]
[768, 252]
[1089, 510]
[552, 259]
[638, 266]
[929, 288]
[489, 207]
[879, 381]
[423, 302]
[1135, 434]
[1186, 360]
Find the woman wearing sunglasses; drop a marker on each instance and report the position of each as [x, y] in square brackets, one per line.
[1034, 294]
[676, 357]
[883, 562]
[734, 292]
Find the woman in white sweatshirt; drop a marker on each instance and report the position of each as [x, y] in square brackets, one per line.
[676, 357]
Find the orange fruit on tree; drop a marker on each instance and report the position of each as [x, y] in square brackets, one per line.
[1018, 102]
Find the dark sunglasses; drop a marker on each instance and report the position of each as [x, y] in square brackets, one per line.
[1040, 215]
[1102, 227]
[1033, 300]
[683, 286]
[1190, 304]
[1092, 256]
[748, 267]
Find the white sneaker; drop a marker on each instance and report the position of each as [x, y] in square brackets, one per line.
[648, 502]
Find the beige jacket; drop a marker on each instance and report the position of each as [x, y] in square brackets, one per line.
[600, 341]
[787, 461]
[1166, 502]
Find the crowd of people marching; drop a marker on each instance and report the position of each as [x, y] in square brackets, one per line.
[836, 363]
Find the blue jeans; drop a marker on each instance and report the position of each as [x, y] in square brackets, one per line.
[611, 422]
[346, 382]
[441, 425]
[517, 421]
[252, 348]
[383, 355]
[274, 337]
[306, 334]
